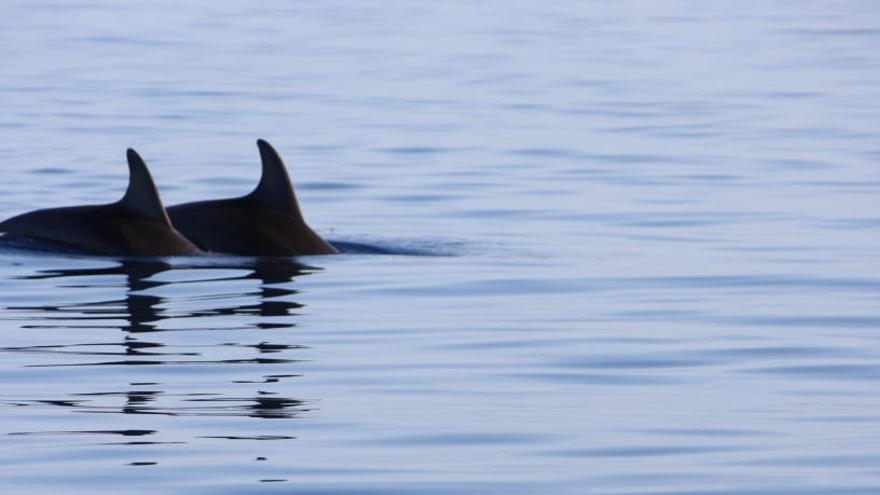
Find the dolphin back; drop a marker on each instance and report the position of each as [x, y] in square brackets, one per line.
[136, 225]
[266, 222]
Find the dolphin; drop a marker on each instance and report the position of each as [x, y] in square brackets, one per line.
[136, 225]
[266, 222]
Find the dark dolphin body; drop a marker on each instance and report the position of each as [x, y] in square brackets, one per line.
[136, 225]
[266, 222]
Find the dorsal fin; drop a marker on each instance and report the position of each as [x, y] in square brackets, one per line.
[274, 190]
[141, 195]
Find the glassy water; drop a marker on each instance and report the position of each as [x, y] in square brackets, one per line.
[633, 249]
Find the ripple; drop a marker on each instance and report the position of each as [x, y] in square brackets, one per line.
[633, 362]
[51, 171]
[647, 451]
[417, 150]
[580, 378]
[458, 439]
[125, 433]
[207, 404]
[824, 371]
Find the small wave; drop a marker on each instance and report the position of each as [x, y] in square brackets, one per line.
[29, 246]
[399, 247]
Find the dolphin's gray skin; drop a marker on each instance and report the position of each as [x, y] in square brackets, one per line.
[136, 225]
[266, 222]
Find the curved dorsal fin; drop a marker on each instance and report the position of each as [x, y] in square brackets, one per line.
[274, 190]
[141, 195]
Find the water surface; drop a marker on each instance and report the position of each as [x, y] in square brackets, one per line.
[592, 248]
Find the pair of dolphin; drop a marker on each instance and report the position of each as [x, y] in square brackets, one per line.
[266, 222]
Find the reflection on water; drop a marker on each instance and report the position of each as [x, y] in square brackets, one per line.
[140, 313]
[143, 312]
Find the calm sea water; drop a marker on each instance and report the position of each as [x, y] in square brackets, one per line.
[634, 249]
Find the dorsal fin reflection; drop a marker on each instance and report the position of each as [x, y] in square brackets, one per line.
[262, 300]
[142, 308]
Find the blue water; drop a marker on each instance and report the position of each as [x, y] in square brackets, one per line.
[593, 247]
